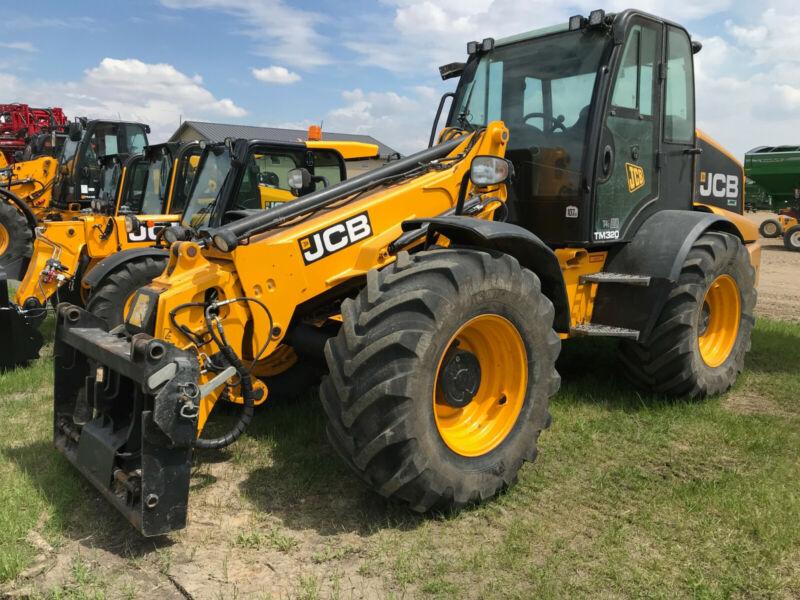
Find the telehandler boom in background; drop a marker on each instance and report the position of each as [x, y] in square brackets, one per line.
[559, 202]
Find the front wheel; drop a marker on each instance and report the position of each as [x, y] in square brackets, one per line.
[111, 297]
[700, 339]
[440, 377]
[770, 228]
[16, 241]
[791, 239]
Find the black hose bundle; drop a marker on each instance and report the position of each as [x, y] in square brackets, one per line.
[245, 381]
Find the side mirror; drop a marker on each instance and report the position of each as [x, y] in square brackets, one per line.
[75, 132]
[298, 179]
[490, 170]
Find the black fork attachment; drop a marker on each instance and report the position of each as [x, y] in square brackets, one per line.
[125, 416]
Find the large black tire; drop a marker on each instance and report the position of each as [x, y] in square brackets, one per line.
[670, 361]
[771, 228]
[791, 238]
[16, 241]
[383, 367]
[108, 298]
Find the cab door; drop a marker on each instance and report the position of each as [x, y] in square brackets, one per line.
[627, 169]
[678, 148]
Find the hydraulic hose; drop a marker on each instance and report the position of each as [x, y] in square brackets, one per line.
[246, 383]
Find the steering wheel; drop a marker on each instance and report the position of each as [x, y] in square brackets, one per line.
[558, 122]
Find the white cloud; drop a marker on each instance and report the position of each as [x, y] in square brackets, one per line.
[427, 33]
[402, 121]
[748, 90]
[276, 74]
[129, 89]
[747, 73]
[282, 32]
[23, 46]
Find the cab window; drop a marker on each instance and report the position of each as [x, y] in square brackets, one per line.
[679, 106]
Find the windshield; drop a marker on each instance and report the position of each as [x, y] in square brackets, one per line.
[68, 151]
[263, 180]
[542, 90]
[211, 173]
[155, 185]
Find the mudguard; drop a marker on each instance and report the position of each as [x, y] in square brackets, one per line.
[112, 262]
[658, 251]
[531, 252]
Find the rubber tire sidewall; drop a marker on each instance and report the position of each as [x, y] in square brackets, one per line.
[20, 241]
[765, 234]
[108, 298]
[518, 441]
[792, 232]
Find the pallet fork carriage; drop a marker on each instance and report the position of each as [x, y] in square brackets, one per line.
[564, 198]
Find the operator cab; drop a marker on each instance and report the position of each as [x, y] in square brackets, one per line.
[234, 178]
[600, 114]
[152, 179]
[79, 178]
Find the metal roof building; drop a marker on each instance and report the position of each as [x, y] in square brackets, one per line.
[217, 132]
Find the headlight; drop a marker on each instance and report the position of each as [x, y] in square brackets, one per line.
[489, 170]
[225, 242]
[130, 224]
[220, 243]
[298, 179]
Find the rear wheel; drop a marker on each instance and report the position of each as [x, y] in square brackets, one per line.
[111, 297]
[16, 240]
[699, 342]
[770, 228]
[791, 239]
[440, 377]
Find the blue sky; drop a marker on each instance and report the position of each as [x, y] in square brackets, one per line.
[361, 66]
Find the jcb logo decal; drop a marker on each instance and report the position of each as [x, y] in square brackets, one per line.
[635, 177]
[147, 232]
[719, 185]
[335, 237]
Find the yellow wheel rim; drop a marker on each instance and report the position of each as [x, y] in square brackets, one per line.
[486, 420]
[4, 239]
[719, 320]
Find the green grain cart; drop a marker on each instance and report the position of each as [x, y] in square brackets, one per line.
[776, 169]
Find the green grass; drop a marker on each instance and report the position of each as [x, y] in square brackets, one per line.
[631, 496]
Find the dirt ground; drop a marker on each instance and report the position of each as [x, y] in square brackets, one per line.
[779, 286]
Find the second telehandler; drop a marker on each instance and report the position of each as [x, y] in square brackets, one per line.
[61, 187]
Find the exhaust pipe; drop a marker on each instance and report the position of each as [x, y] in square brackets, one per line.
[25, 338]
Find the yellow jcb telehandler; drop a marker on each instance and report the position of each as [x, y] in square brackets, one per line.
[58, 187]
[559, 202]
